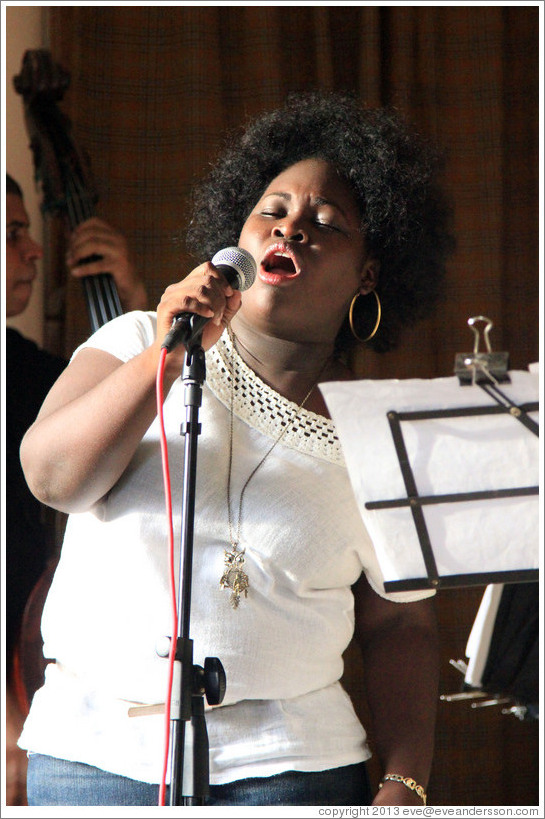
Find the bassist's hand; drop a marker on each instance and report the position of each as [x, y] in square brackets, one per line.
[97, 247]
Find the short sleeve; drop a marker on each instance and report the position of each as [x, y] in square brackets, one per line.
[375, 579]
[125, 336]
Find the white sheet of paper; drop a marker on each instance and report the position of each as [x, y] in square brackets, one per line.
[478, 644]
[447, 455]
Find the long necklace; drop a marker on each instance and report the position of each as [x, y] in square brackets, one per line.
[234, 577]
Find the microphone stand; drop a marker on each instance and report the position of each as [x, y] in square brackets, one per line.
[189, 782]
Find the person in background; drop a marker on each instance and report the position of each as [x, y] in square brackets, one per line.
[341, 209]
[30, 373]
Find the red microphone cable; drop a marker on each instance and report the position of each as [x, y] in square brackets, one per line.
[172, 582]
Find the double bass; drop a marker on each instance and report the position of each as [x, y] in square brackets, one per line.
[63, 170]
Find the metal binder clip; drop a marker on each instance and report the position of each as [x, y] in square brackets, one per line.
[481, 367]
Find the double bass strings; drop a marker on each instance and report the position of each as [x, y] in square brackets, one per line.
[100, 290]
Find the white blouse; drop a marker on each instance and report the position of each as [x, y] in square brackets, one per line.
[305, 545]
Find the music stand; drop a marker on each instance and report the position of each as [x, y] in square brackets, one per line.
[445, 474]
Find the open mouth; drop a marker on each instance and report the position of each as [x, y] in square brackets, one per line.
[280, 260]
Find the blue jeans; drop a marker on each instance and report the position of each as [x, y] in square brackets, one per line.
[53, 781]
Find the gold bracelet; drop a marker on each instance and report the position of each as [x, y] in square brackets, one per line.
[408, 782]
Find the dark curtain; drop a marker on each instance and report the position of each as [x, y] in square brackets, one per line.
[153, 91]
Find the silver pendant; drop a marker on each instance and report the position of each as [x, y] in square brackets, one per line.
[233, 577]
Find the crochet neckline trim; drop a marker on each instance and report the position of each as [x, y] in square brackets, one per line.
[266, 410]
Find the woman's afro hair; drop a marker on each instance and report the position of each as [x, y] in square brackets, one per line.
[393, 172]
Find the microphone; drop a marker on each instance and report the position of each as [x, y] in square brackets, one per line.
[239, 268]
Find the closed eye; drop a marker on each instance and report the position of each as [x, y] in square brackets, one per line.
[327, 225]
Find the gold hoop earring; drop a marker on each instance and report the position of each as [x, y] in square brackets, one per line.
[351, 317]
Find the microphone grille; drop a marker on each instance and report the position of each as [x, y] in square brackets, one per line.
[242, 261]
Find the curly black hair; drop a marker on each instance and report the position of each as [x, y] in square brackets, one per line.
[393, 172]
